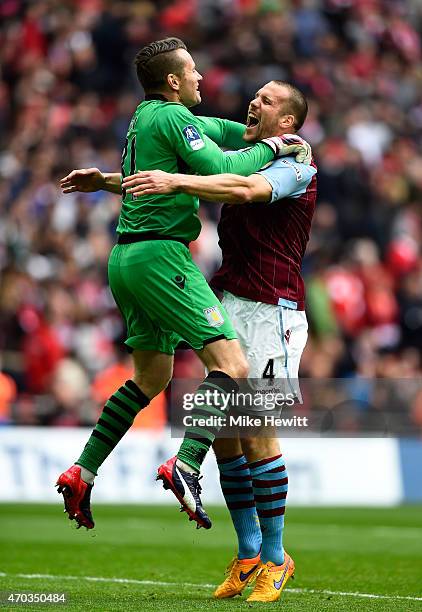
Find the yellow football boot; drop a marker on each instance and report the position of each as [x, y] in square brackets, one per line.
[240, 573]
[271, 580]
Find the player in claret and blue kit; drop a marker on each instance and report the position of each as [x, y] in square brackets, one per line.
[263, 241]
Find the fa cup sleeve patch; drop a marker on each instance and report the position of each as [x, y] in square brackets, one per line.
[193, 137]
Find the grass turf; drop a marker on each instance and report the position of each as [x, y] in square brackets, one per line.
[375, 551]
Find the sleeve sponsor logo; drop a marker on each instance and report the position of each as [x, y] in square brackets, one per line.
[193, 137]
[295, 168]
[214, 316]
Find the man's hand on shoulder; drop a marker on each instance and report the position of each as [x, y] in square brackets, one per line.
[151, 182]
[290, 144]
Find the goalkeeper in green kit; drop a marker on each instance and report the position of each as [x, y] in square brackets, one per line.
[161, 294]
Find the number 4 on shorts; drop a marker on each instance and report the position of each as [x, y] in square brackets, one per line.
[269, 369]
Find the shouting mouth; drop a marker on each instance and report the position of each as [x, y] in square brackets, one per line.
[252, 121]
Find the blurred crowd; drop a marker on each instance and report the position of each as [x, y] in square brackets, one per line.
[67, 92]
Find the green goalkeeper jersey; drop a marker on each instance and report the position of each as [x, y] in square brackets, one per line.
[167, 136]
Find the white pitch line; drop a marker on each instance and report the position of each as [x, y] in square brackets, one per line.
[201, 586]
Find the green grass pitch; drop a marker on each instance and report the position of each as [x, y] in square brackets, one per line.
[163, 563]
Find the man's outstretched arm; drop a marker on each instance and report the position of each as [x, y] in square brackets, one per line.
[229, 188]
[182, 133]
[91, 179]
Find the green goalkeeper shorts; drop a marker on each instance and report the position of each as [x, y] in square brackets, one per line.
[164, 298]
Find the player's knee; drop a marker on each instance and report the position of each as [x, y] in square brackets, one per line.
[237, 368]
[251, 447]
[151, 385]
[265, 444]
[242, 368]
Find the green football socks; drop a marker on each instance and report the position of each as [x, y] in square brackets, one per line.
[210, 400]
[116, 418]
